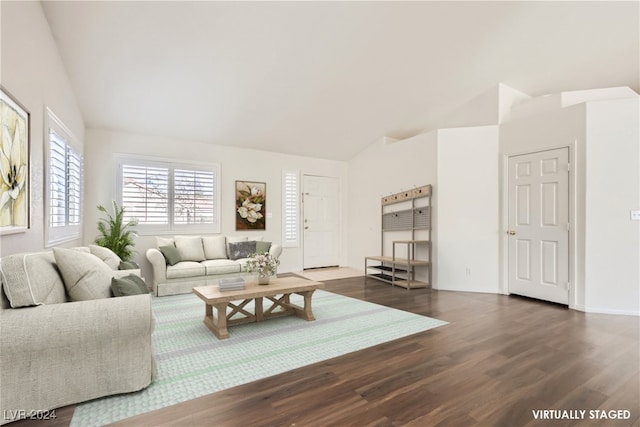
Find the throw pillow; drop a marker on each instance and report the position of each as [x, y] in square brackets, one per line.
[171, 254]
[106, 255]
[165, 241]
[128, 265]
[241, 249]
[262, 247]
[214, 247]
[128, 285]
[31, 279]
[85, 276]
[234, 239]
[190, 248]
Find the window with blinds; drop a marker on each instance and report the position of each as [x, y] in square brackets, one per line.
[145, 194]
[290, 208]
[193, 197]
[164, 196]
[64, 177]
[57, 180]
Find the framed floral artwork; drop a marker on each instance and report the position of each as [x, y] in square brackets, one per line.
[14, 165]
[251, 205]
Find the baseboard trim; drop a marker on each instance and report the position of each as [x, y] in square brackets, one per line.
[600, 310]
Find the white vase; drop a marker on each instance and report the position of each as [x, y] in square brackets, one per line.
[263, 279]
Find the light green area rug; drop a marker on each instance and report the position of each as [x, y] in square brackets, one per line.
[192, 362]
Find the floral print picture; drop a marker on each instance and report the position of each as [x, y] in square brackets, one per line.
[14, 166]
[251, 199]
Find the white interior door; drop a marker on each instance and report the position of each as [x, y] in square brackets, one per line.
[321, 213]
[539, 225]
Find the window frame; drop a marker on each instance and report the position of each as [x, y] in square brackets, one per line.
[171, 165]
[287, 199]
[72, 147]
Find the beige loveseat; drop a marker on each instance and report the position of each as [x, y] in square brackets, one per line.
[202, 260]
[54, 352]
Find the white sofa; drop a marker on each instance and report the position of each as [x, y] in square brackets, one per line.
[202, 260]
[54, 351]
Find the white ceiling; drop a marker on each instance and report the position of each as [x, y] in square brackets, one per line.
[326, 79]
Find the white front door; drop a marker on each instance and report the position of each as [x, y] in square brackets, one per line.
[539, 225]
[321, 213]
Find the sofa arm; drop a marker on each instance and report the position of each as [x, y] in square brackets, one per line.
[275, 250]
[60, 354]
[72, 323]
[159, 266]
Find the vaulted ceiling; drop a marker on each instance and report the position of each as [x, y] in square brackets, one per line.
[326, 79]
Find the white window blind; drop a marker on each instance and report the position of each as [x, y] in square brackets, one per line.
[194, 196]
[290, 208]
[145, 194]
[74, 183]
[57, 180]
[64, 178]
[164, 196]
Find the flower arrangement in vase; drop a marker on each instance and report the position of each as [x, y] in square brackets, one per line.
[264, 264]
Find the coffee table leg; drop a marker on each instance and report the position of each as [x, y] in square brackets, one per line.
[258, 309]
[304, 312]
[217, 323]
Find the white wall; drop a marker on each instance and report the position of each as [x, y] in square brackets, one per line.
[603, 140]
[33, 73]
[379, 170]
[612, 241]
[554, 128]
[508, 98]
[491, 107]
[481, 110]
[102, 146]
[468, 210]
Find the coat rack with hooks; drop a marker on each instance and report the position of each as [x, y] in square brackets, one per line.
[399, 269]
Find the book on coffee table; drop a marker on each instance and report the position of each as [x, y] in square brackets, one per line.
[231, 283]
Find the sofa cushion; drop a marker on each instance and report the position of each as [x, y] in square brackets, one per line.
[214, 247]
[243, 264]
[185, 269]
[220, 266]
[171, 254]
[190, 248]
[31, 279]
[128, 285]
[262, 247]
[106, 255]
[85, 276]
[241, 249]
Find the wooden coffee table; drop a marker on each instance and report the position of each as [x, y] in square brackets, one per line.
[278, 293]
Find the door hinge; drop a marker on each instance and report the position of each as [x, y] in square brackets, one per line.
[568, 167]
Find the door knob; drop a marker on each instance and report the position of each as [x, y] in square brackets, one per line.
[511, 232]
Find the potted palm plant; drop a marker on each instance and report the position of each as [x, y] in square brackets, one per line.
[115, 234]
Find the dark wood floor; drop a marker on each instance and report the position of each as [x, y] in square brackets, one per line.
[499, 359]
